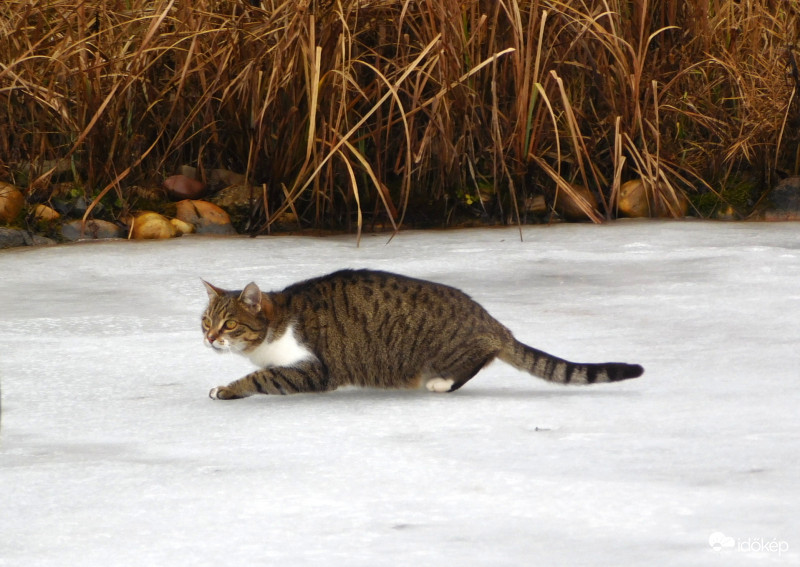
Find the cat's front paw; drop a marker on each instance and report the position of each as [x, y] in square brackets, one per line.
[222, 393]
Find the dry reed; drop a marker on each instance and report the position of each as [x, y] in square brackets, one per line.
[398, 111]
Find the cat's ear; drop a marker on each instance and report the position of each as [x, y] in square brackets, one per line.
[213, 291]
[251, 297]
[256, 301]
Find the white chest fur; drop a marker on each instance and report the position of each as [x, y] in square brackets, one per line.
[283, 351]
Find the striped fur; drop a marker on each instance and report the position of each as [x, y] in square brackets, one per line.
[372, 329]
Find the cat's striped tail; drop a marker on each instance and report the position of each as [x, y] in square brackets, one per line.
[554, 369]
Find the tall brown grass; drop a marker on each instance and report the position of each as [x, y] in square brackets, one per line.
[345, 111]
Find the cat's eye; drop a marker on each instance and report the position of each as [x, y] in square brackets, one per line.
[206, 323]
[230, 324]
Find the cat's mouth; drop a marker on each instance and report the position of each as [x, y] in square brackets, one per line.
[216, 347]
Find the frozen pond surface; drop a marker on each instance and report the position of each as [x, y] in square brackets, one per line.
[111, 453]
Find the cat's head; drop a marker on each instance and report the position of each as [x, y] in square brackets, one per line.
[235, 320]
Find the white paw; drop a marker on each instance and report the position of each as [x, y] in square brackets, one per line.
[213, 394]
[439, 384]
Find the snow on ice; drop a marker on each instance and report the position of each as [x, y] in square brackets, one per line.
[112, 454]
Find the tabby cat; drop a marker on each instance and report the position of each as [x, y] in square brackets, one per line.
[375, 329]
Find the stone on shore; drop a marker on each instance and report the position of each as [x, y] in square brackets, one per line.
[636, 201]
[94, 229]
[206, 217]
[573, 206]
[11, 202]
[783, 201]
[181, 187]
[149, 225]
[45, 214]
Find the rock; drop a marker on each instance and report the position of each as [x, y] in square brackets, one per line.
[567, 204]
[182, 187]
[226, 178]
[206, 217]
[188, 171]
[147, 193]
[636, 201]
[632, 200]
[93, 230]
[783, 201]
[181, 226]
[536, 205]
[236, 200]
[79, 205]
[150, 225]
[38, 240]
[11, 202]
[11, 238]
[45, 213]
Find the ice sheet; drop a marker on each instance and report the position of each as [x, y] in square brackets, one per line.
[111, 453]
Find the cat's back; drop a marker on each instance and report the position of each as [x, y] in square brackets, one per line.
[376, 305]
[370, 291]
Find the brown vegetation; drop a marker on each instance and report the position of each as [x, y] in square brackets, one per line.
[339, 111]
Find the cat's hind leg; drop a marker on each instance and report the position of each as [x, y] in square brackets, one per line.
[280, 380]
[439, 384]
[462, 368]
